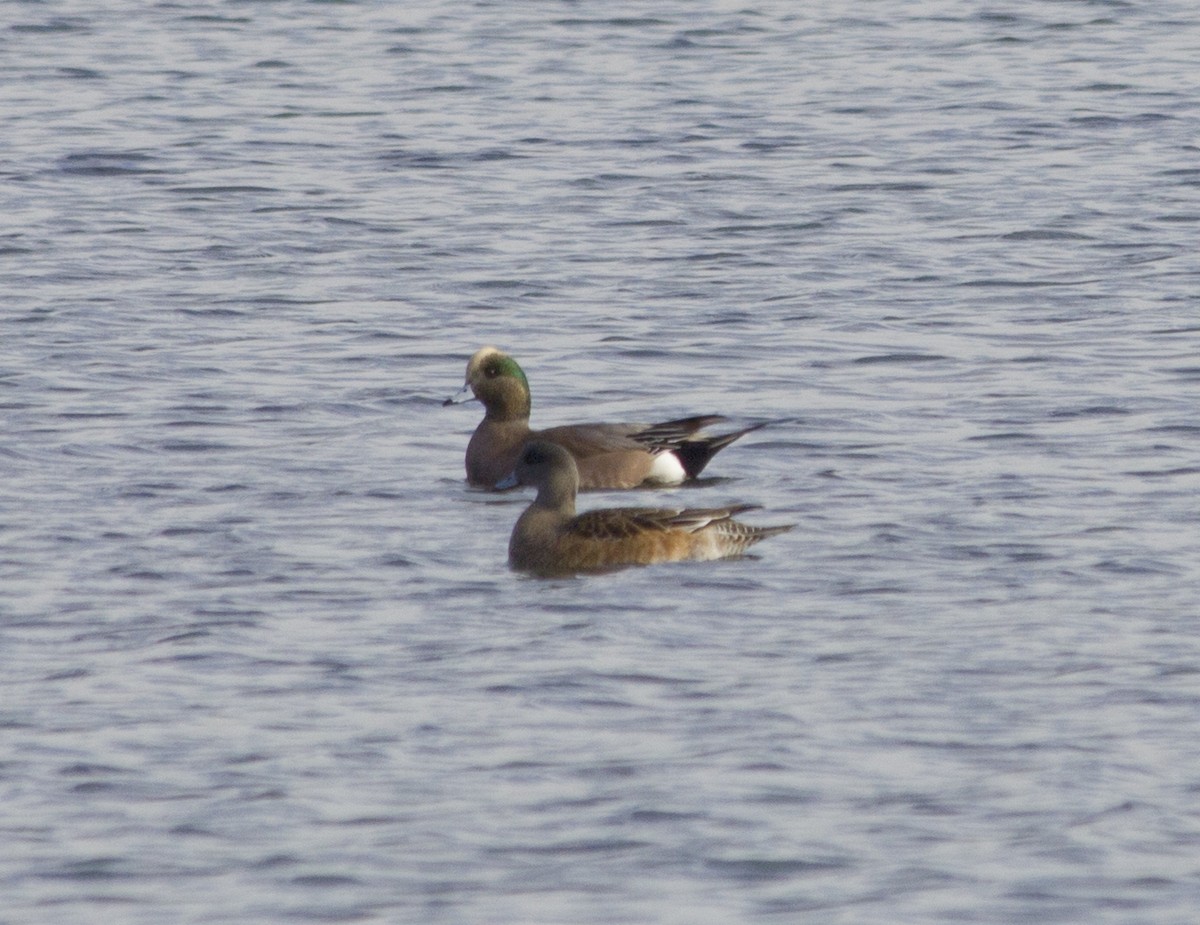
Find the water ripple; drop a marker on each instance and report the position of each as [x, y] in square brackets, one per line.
[256, 633]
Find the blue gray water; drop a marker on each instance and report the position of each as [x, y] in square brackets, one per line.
[261, 659]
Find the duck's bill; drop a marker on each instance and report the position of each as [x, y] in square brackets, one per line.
[509, 481]
[462, 395]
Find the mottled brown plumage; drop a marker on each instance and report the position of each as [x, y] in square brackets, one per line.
[551, 539]
[607, 455]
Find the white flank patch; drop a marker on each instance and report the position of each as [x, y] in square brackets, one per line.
[667, 470]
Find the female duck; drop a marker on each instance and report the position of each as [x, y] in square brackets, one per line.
[551, 539]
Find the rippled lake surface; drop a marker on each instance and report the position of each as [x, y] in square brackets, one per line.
[261, 658]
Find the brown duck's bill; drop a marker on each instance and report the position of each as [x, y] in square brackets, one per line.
[462, 395]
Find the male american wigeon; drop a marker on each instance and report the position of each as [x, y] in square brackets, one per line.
[608, 455]
[551, 539]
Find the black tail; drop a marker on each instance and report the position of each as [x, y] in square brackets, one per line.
[694, 454]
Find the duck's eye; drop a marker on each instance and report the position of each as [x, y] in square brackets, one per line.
[492, 370]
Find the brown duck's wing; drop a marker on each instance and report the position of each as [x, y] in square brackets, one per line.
[622, 522]
[619, 523]
[598, 437]
[583, 440]
[666, 434]
[695, 519]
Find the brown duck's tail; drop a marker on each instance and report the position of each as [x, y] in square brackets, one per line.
[741, 536]
[694, 453]
[761, 533]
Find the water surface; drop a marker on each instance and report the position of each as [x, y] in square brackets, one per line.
[262, 659]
